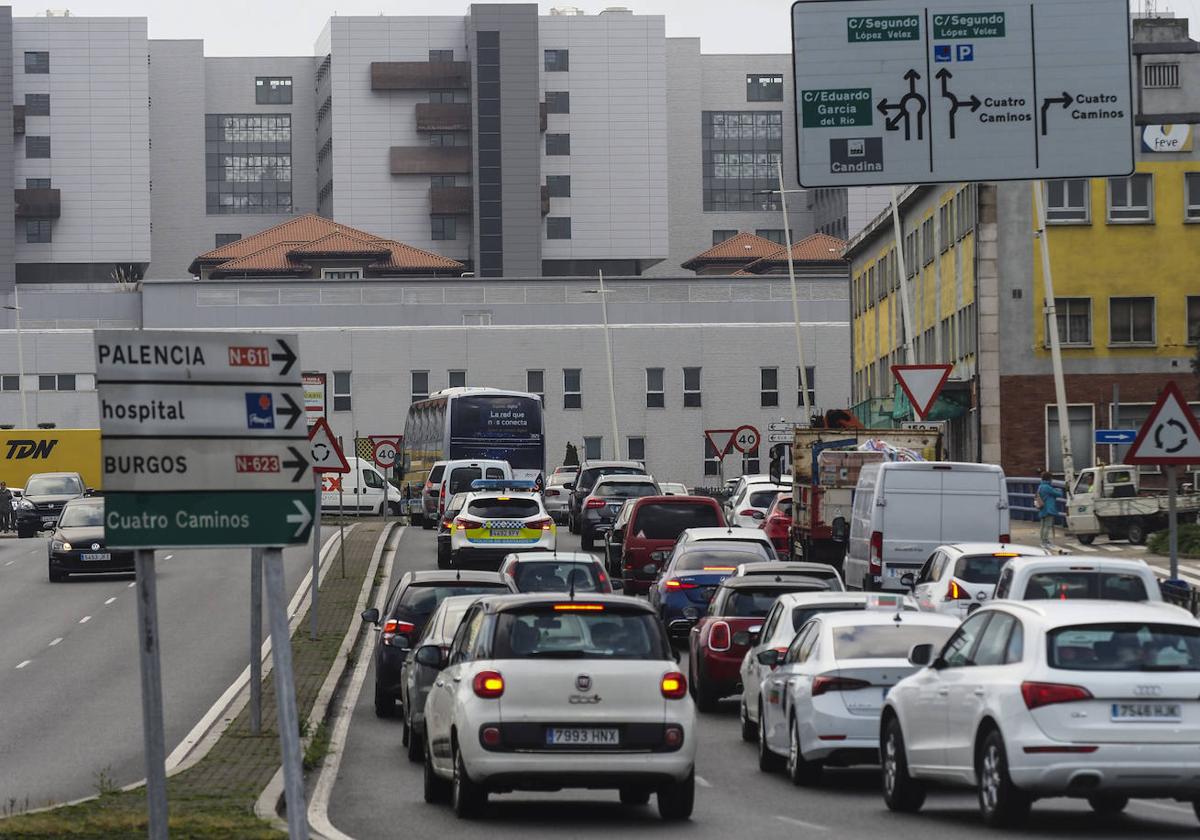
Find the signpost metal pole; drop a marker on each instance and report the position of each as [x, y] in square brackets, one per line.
[285, 696]
[1051, 326]
[256, 641]
[342, 512]
[1114, 452]
[787, 239]
[905, 306]
[1172, 523]
[612, 374]
[152, 704]
[316, 560]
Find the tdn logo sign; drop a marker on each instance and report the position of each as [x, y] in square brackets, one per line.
[21, 449]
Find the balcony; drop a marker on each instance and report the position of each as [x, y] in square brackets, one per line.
[430, 160]
[38, 203]
[450, 201]
[443, 116]
[18, 119]
[420, 75]
[545, 199]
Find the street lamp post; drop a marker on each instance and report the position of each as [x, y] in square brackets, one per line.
[608, 354]
[15, 308]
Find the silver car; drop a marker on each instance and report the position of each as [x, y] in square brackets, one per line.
[557, 495]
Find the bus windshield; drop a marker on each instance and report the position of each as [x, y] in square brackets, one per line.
[498, 426]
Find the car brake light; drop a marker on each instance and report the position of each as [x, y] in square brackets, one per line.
[462, 523]
[718, 636]
[957, 593]
[673, 686]
[551, 493]
[535, 524]
[1037, 694]
[573, 607]
[446, 523]
[676, 583]
[393, 628]
[488, 684]
[826, 683]
[746, 512]
[720, 569]
[592, 504]
[875, 560]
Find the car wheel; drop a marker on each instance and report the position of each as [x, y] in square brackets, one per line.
[24, 533]
[705, 701]
[1108, 805]
[676, 800]
[749, 728]
[800, 771]
[634, 796]
[1136, 532]
[426, 523]
[55, 575]
[1086, 539]
[385, 706]
[436, 788]
[415, 745]
[587, 541]
[768, 762]
[443, 556]
[467, 798]
[901, 792]
[1001, 803]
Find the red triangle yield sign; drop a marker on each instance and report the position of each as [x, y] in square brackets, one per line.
[326, 454]
[1170, 435]
[921, 384]
[720, 440]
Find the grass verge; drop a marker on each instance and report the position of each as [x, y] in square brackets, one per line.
[1189, 541]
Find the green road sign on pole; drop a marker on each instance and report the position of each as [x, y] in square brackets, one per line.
[212, 519]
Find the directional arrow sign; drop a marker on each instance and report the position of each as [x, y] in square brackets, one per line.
[921, 384]
[1170, 435]
[155, 465]
[216, 519]
[195, 357]
[1115, 437]
[152, 410]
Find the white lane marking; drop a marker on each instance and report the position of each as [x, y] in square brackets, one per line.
[132, 585]
[85, 619]
[56, 641]
[169, 556]
[10, 562]
[1138, 548]
[801, 823]
[1107, 547]
[23, 664]
[1164, 806]
[703, 782]
[110, 600]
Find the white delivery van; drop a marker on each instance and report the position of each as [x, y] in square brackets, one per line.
[903, 511]
[459, 473]
[363, 490]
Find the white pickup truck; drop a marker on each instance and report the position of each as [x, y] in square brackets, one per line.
[1108, 500]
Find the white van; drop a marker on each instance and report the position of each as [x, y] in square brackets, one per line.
[363, 490]
[904, 510]
[459, 473]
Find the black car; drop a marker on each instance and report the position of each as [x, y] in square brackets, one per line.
[589, 472]
[408, 607]
[77, 544]
[444, 523]
[604, 503]
[43, 500]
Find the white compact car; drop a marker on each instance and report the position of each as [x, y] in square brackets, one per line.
[793, 568]
[494, 523]
[1091, 699]
[544, 692]
[822, 703]
[749, 507]
[957, 576]
[554, 497]
[790, 612]
[731, 536]
[672, 488]
[1066, 577]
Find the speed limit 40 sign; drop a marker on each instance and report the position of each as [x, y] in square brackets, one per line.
[746, 438]
[385, 452]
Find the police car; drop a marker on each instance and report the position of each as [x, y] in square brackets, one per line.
[498, 517]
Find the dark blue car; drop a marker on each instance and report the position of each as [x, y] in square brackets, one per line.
[688, 580]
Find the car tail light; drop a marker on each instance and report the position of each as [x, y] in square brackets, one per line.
[447, 524]
[746, 512]
[676, 583]
[673, 737]
[393, 628]
[875, 560]
[550, 493]
[593, 504]
[956, 593]
[825, 683]
[488, 684]
[462, 523]
[490, 736]
[782, 651]
[1038, 694]
[673, 685]
[543, 524]
[718, 636]
[1005, 538]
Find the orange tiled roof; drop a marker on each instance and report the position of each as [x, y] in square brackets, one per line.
[339, 242]
[741, 249]
[820, 247]
[403, 256]
[273, 258]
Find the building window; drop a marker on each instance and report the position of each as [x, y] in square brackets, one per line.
[37, 104]
[593, 448]
[420, 384]
[248, 163]
[558, 102]
[1193, 319]
[572, 388]
[273, 90]
[226, 238]
[10, 382]
[636, 447]
[1131, 320]
[1068, 201]
[37, 230]
[1082, 421]
[1074, 316]
[750, 462]
[56, 382]
[810, 372]
[557, 60]
[441, 181]
[448, 139]
[1191, 196]
[656, 396]
[37, 62]
[691, 387]
[760, 88]
[535, 383]
[558, 227]
[37, 183]
[456, 378]
[712, 464]
[723, 235]
[1131, 199]
[773, 234]
[443, 227]
[768, 396]
[341, 390]
[1158, 75]
[741, 152]
[558, 186]
[441, 56]
[477, 319]
[558, 144]
[37, 147]
[341, 274]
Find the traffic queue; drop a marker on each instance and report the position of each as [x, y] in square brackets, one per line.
[953, 658]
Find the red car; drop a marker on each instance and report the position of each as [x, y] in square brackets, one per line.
[649, 526]
[778, 525]
[719, 641]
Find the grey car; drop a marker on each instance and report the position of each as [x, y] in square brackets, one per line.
[602, 505]
[419, 675]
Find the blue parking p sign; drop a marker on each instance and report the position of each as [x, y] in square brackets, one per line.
[965, 52]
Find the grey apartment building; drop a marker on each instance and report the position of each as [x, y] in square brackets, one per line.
[520, 144]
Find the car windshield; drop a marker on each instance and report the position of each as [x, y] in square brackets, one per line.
[625, 489]
[666, 520]
[1068, 586]
[751, 603]
[557, 576]
[82, 516]
[578, 630]
[423, 598]
[461, 478]
[980, 568]
[802, 614]
[885, 641]
[763, 498]
[1121, 646]
[53, 485]
[698, 560]
[503, 508]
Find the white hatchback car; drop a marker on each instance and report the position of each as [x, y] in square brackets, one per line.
[545, 692]
[822, 704]
[494, 523]
[1088, 699]
[793, 568]
[748, 508]
[731, 536]
[1067, 577]
[957, 576]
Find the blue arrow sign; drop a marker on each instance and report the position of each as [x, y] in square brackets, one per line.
[1115, 436]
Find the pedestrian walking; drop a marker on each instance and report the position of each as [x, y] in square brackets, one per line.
[1046, 501]
[6, 508]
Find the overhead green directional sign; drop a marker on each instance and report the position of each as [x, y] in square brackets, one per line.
[224, 519]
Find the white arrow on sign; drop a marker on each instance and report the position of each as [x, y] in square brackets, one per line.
[156, 465]
[921, 384]
[153, 410]
[780, 437]
[299, 519]
[195, 357]
[1170, 435]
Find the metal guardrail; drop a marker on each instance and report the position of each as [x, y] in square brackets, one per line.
[1020, 499]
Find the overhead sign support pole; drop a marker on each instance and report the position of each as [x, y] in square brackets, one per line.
[905, 305]
[787, 238]
[154, 742]
[1051, 326]
[256, 602]
[316, 556]
[285, 696]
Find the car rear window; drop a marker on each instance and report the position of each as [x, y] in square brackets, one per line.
[556, 576]
[698, 560]
[435, 474]
[784, 508]
[667, 520]
[82, 516]
[423, 598]
[577, 630]
[763, 498]
[800, 615]
[980, 568]
[752, 603]
[885, 641]
[461, 478]
[503, 508]
[1068, 586]
[588, 478]
[626, 489]
[1121, 646]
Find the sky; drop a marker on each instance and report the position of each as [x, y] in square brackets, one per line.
[289, 27]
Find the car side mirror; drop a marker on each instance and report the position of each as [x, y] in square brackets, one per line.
[768, 657]
[972, 607]
[618, 585]
[920, 655]
[431, 656]
[908, 580]
[650, 569]
[569, 485]
[617, 536]
[371, 616]
[757, 514]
